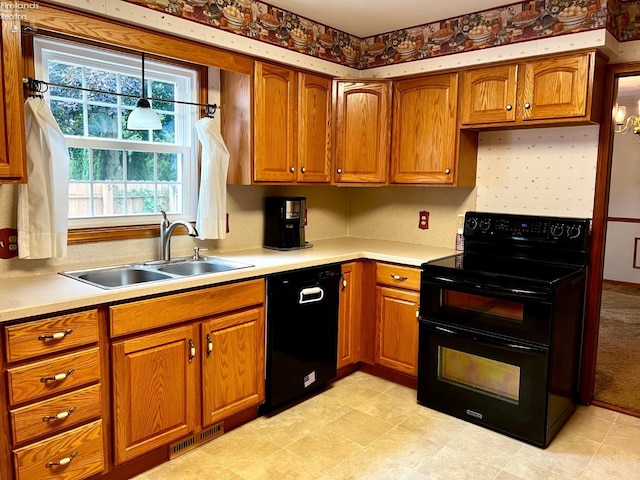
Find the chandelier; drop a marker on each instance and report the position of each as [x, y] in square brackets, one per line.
[623, 123]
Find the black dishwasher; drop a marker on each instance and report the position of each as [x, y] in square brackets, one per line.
[302, 332]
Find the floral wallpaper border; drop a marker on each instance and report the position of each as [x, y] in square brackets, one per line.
[516, 22]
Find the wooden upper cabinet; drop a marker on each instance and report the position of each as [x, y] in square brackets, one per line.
[425, 129]
[274, 124]
[554, 90]
[489, 95]
[13, 165]
[314, 129]
[363, 126]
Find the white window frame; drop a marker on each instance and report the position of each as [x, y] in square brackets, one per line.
[186, 137]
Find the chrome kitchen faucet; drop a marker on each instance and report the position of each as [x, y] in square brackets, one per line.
[166, 230]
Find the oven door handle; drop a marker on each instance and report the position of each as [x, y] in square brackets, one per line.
[493, 341]
[520, 292]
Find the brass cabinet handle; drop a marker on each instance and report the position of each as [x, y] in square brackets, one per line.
[209, 345]
[527, 105]
[55, 336]
[344, 283]
[57, 377]
[192, 350]
[303, 169]
[447, 171]
[59, 416]
[339, 170]
[509, 107]
[63, 461]
[292, 169]
[398, 277]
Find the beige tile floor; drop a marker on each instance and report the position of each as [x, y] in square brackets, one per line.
[365, 427]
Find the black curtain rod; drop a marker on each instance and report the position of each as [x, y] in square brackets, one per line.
[37, 86]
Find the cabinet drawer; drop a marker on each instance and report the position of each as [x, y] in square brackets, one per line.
[398, 276]
[50, 335]
[79, 452]
[59, 374]
[39, 419]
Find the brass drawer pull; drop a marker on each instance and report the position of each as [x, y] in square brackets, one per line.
[55, 336]
[209, 345]
[57, 377]
[398, 277]
[192, 350]
[61, 462]
[59, 416]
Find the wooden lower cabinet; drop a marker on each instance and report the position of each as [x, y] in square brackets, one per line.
[349, 316]
[154, 382]
[232, 364]
[54, 402]
[397, 301]
[171, 382]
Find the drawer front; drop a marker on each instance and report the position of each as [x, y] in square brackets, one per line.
[398, 276]
[76, 454]
[51, 416]
[56, 375]
[168, 310]
[51, 335]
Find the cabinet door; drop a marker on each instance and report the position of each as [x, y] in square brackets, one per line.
[424, 129]
[314, 128]
[349, 317]
[154, 390]
[232, 364]
[274, 120]
[555, 88]
[362, 132]
[397, 329]
[12, 129]
[489, 95]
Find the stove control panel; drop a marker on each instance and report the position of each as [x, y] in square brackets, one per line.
[525, 227]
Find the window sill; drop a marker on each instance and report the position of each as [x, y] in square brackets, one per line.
[102, 234]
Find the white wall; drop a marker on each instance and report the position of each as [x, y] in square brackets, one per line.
[622, 247]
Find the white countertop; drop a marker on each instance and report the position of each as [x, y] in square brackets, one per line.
[28, 296]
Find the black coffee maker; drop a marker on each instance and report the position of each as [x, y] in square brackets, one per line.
[284, 221]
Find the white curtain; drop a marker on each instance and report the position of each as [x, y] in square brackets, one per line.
[212, 202]
[43, 203]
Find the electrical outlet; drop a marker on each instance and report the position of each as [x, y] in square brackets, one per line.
[423, 222]
[8, 243]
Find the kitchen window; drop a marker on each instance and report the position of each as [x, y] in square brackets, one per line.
[121, 177]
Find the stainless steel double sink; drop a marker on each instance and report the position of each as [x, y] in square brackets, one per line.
[154, 271]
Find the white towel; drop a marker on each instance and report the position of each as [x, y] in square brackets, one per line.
[43, 202]
[211, 219]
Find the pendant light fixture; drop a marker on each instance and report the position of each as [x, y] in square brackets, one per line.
[143, 117]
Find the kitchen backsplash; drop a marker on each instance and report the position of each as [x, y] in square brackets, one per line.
[512, 23]
[538, 171]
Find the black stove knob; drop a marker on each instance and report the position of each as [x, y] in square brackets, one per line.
[574, 231]
[472, 223]
[485, 224]
[557, 230]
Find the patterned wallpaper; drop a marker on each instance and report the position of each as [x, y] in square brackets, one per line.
[538, 171]
[512, 23]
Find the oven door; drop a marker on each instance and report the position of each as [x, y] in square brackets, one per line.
[517, 312]
[494, 382]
